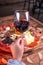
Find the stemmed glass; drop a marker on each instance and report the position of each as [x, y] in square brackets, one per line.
[21, 20]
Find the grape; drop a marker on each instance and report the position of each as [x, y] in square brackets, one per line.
[7, 40]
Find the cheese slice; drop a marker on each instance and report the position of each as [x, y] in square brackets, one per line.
[12, 37]
[29, 38]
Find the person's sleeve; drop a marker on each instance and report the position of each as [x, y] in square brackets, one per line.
[15, 62]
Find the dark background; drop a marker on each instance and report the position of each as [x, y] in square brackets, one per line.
[7, 7]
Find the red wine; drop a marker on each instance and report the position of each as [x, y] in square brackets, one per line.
[21, 25]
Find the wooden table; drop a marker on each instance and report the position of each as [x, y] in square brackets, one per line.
[33, 55]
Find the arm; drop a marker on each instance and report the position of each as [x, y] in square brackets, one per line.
[17, 50]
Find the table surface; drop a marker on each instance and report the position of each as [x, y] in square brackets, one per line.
[33, 55]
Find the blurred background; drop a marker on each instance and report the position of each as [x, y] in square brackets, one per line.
[35, 7]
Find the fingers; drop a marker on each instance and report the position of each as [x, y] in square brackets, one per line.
[18, 42]
[22, 42]
[22, 45]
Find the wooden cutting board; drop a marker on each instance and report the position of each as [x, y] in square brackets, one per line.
[34, 23]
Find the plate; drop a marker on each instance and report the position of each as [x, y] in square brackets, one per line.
[6, 47]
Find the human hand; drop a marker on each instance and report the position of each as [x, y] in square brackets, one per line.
[17, 49]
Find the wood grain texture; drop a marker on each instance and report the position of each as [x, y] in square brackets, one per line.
[31, 54]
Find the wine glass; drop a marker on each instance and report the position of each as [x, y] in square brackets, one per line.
[21, 20]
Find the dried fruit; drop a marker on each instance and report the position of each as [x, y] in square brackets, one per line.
[40, 55]
[4, 61]
[29, 60]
